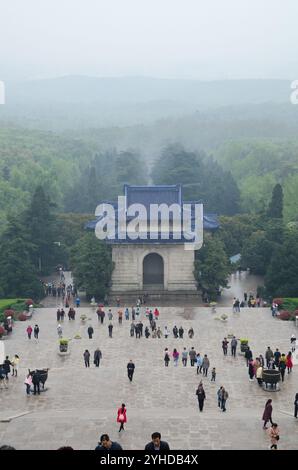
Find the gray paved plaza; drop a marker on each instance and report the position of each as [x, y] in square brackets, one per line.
[80, 404]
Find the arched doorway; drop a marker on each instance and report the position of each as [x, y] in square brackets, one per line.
[153, 271]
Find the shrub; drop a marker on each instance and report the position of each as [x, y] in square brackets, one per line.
[9, 313]
[2, 331]
[29, 302]
[285, 315]
[22, 317]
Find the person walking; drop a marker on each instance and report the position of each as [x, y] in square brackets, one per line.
[130, 370]
[132, 329]
[222, 396]
[120, 316]
[175, 331]
[110, 328]
[268, 356]
[167, 357]
[59, 331]
[296, 406]
[248, 355]
[262, 362]
[147, 332]
[234, 343]
[277, 356]
[15, 365]
[29, 331]
[36, 331]
[110, 315]
[293, 342]
[200, 392]
[213, 374]
[225, 343]
[121, 417]
[36, 382]
[133, 315]
[6, 367]
[205, 365]
[126, 314]
[251, 370]
[191, 332]
[274, 435]
[90, 331]
[267, 414]
[282, 366]
[289, 362]
[259, 375]
[28, 383]
[87, 358]
[192, 356]
[97, 357]
[181, 331]
[199, 362]
[184, 357]
[58, 314]
[166, 332]
[3, 379]
[78, 302]
[175, 357]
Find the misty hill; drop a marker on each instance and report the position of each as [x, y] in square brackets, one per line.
[83, 102]
[79, 89]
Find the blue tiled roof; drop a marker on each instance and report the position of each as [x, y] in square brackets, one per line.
[147, 195]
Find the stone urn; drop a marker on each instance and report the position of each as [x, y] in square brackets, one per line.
[271, 378]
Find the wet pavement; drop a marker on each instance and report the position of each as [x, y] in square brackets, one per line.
[80, 403]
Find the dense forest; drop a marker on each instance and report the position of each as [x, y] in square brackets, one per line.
[241, 161]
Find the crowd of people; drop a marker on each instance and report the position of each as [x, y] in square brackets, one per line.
[144, 323]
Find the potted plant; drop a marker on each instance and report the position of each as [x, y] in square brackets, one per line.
[63, 345]
[243, 344]
[224, 317]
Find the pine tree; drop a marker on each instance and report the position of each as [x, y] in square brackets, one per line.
[275, 209]
[92, 266]
[39, 222]
[18, 275]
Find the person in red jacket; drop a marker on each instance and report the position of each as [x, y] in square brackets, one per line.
[29, 331]
[121, 416]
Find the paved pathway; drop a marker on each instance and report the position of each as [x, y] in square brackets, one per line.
[81, 403]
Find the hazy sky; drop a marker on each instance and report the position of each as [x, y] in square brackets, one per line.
[204, 39]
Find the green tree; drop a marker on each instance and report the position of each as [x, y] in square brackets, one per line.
[282, 273]
[92, 266]
[212, 266]
[39, 222]
[18, 275]
[202, 178]
[275, 209]
[257, 252]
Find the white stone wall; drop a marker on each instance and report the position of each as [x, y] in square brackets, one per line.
[128, 272]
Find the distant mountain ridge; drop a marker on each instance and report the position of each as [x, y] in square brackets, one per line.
[129, 90]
